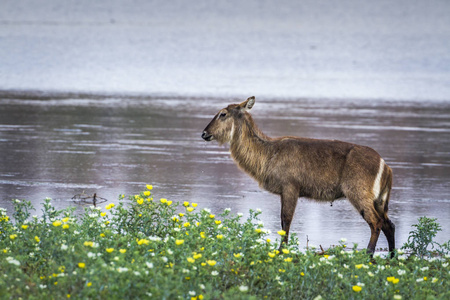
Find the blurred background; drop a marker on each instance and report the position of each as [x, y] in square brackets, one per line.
[107, 96]
[359, 49]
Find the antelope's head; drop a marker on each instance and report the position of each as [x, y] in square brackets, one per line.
[221, 127]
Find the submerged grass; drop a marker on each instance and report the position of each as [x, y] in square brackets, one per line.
[144, 248]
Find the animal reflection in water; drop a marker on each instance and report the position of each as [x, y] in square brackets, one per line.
[84, 198]
[294, 167]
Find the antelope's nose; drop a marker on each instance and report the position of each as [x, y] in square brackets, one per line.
[206, 136]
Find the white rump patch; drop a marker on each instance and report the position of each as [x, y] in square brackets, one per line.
[377, 182]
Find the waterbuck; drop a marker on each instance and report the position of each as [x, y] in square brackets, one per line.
[294, 167]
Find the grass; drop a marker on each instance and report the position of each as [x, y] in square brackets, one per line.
[143, 248]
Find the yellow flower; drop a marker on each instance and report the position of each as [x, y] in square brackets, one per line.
[109, 250]
[13, 236]
[65, 226]
[88, 243]
[89, 284]
[37, 239]
[123, 250]
[140, 201]
[109, 206]
[81, 265]
[281, 232]
[179, 242]
[302, 274]
[102, 235]
[219, 236]
[24, 226]
[271, 254]
[197, 256]
[66, 219]
[169, 202]
[181, 214]
[163, 200]
[212, 216]
[189, 209]
[149, 187]
[102, 214]
[185, 203]
[281, 270]
[258, 230]
[200, 297]
[57, 223]
[143, 241]
[187, 224]
[203, 235]
[68, 295]
[357, 288]
[218, 222]
[288, 259]
[285, 251]
[194, 204]
[175, 219]
[268, 240]
[237, 255]
[190, 259]
[147, 193]
[203, 264]
[359, 266]
[212, 263]
[393, 279]
[425, 278]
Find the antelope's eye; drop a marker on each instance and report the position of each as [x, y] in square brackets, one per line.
[222, 115]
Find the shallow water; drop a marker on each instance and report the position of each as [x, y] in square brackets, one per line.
[60, 145]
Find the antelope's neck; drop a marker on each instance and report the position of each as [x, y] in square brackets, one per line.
[250, 148]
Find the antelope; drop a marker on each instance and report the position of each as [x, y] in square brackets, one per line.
[322, 170]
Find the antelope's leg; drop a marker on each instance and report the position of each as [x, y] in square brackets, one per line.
[389, 231]
[289, 200]
[375, 229]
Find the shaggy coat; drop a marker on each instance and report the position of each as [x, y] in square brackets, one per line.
[294, 167]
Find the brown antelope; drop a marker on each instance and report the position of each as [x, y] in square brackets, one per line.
[294, 167]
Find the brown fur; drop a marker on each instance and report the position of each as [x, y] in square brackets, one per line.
[294, 167]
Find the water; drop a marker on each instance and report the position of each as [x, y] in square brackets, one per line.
[310, 48]
[59, 145]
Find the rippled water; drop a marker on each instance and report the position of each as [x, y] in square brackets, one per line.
[61, 145]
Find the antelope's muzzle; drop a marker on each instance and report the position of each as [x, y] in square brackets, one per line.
[206, 136]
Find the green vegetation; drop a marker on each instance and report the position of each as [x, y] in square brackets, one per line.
[143, 248]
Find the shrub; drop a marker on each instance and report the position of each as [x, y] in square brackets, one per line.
[420, 241]
[145, 248]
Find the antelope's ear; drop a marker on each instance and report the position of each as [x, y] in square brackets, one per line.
[247, 104]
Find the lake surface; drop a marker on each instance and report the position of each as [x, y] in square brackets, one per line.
[58, 145]
[311, 48]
